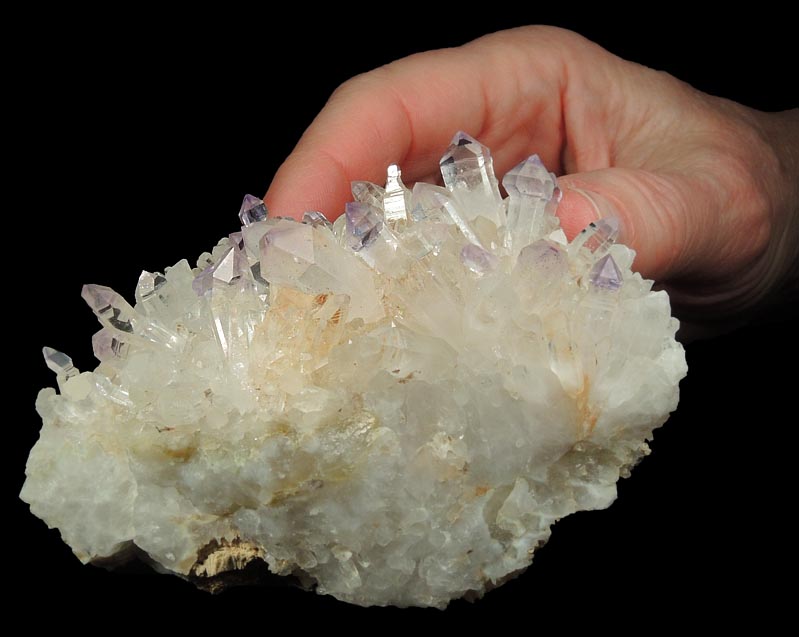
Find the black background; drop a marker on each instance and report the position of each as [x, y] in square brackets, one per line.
[133, 131]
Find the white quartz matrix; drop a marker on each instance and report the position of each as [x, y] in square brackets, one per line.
[395, 407]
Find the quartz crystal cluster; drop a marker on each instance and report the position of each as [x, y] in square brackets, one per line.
[393, 408]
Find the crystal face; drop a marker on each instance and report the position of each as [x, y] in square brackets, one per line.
[396, 200]
[606, 274]
[468, 171]
[364, 223]
[532, 198]
[394, 407]
[252, 210]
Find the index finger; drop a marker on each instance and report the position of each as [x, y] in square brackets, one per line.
[501, 88]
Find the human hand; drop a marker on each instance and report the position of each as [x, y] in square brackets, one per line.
[706, 190]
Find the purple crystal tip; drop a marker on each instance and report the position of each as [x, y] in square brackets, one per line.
[364, 223]
[252, 210]
[606, 274]
[477, 259]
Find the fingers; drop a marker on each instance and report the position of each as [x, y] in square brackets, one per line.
[651, 209]
[504, 89]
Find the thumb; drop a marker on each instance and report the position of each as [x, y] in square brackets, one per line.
[649, 207]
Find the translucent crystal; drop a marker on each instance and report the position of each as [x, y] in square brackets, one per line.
[529, 179]
[477, 259]
[397, 198]
[252, 235]
[147, 292]
[228, 270]
[437, 204]
[393, 409]
[531, 191]
[369, 193]
[237, 239]
[59, 362]
[112, 310]
[107, 345]
[467, 167]
[597, 237]
[605, 274]
[293, 243]
[315, 218]
[260, 284]
[149, 284]
[116, 314]
[204, 282]
[543, 254]
[364, 223]
[308, 259]
[467, 164]
[230, 267]
[252, 210]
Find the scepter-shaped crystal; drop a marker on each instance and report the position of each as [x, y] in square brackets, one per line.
[397, 198]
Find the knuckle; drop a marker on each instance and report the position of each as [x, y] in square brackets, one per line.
[357, 85]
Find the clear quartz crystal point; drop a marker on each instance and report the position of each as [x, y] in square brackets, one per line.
[315, 218]
[468, 171]
[116, 314]
[531, 190]
[478, 260]
[229, 267]
[227, 271]
[107, 345]
[204, 282]
[237, 239]
[397, 198]
[367, 192]
[148, 297]
[59, 362]
[437, 204]
[364, 223]
[252, 210]
[234, 299]
[112, 310]
[606, 274]
[260, 284]
[293, 243]
[597, 237]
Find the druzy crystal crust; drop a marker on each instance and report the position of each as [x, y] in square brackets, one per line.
[393, 408]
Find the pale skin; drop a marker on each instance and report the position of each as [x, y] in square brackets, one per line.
[706, 190]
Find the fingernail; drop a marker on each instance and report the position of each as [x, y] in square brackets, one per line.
[575, 215]
[601, 206]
